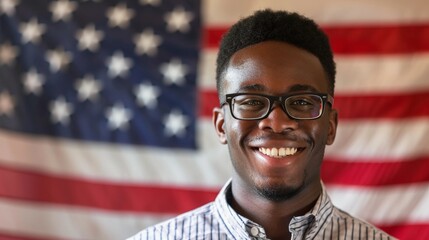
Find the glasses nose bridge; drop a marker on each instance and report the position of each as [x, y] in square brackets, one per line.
[281, 101]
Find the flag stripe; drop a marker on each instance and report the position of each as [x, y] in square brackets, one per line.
[363, 74]
[332, 12]
[366, 74]
[398, 140]
[6, 236]
[388, 205]
[408, 231]
[401, 143]
[376, 172]
[32, 186]
[383, 209]
[53, 221]
[119, 163]
[390, 106]
[27, 185]
[404, 38]
[399, 39]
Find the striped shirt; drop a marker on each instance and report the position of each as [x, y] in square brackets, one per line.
[217, 220]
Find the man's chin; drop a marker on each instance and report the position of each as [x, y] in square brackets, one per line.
[279, 193]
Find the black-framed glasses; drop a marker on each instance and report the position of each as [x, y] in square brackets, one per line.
[300, 106]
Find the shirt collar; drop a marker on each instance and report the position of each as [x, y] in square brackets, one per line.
[231, 220]
[316, 217]
[240, 227]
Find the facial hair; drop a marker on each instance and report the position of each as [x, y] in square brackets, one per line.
[279, 193]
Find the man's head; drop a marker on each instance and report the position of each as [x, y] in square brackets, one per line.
[276, 148]
[280, 26]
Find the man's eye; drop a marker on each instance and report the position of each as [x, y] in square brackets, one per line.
[252, 102]
[301, 102]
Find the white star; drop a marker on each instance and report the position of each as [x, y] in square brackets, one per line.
[62, 9]
[7, 103]
[60, 111]
[8, 6]
[119, 65]
[58, 59]
[118, 117]
[147, 94]
[33, 82]
[119, 16]
[175, 124]
[150, 2]
[88, 88]
[174, 72]
[147, 42]
[89, 38]
[178, 20]
[8, 53]
[32, 31]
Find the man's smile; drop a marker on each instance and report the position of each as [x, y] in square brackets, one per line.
[279, 152]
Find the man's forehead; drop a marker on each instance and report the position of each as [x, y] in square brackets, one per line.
[242, 70]
[250, 87]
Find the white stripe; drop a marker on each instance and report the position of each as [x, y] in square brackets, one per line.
[392, 73]
[62, 222]
[225, 12]
[387, 205]
[206, 74]
[384, 205]
[386, 140]
[208, 167]
[355, 74]
[120, 163]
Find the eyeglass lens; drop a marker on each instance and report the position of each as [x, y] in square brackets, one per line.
[304, 106]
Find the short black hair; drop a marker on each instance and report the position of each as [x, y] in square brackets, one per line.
[289, 27]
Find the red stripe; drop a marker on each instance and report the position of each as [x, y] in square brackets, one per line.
[408, 231]
[388, 39]
[388, 106]
[28, 185]
[396, 106]
[8, 236]
[371, 39]
[33, 186]
[212, 36]
[375, 172]
[208, 100]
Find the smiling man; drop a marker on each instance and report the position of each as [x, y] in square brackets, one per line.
[275, 79]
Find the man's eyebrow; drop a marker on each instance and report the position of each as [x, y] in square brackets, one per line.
[302, 87]
[252, 87]
[294, 88]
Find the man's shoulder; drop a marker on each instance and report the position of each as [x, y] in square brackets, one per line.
[357, 227]
[179, 226]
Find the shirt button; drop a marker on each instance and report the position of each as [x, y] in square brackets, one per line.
[254, 231]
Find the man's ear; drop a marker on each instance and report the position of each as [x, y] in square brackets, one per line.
[219, 124]
[333, 123]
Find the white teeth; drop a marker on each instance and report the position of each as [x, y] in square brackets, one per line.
[278, 152]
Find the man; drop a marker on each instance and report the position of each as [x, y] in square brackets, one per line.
[275, 79]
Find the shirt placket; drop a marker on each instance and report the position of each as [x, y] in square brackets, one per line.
[255, 231]
[300, 225]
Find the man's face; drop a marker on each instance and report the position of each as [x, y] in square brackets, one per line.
[275, 68]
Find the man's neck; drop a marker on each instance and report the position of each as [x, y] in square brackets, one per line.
[273, 216]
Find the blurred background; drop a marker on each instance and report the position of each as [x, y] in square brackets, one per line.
[105, 112]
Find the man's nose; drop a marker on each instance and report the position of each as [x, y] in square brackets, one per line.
[278, 121]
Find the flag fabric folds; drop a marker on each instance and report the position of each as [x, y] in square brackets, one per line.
[105, 112]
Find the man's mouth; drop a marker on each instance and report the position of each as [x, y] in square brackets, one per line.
[279, 152]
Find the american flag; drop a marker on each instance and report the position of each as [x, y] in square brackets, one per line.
[105, 112]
